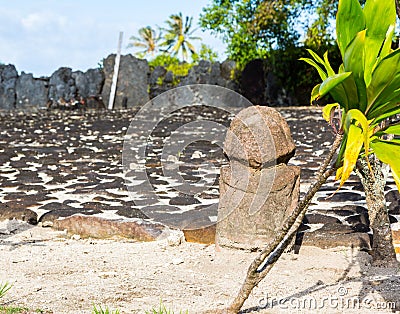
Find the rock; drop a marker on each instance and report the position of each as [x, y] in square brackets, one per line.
[23, 214]
[205, 235]
[8, 80]
[89, 83]
[359, 218]
[208, 73]
[51, 216]
[253, 205]
[96, 227]
[157, 74]
[132, 81]
[228, 68]
[169, 77]
[258, 190]
[62, 84]
[345, 209]
[130, 212]
[393, 197]
[175, 238]
[319, 219]
[323, 240]
[343, 197]
[184, 199]
[31, 92]
[259, 136]
[335, 229]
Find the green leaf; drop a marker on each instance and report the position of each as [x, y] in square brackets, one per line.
[354, 62]
[384, 83]
[331, 82]
[380, 21]
[321, 72]
[328, 66]
[386, 115]
[316, 56]
[393, 129]
[379, 15]
[349, 21]
[389, 153]
[387, 44]
[376, 52]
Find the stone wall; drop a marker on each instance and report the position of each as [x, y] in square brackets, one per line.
[137, 83]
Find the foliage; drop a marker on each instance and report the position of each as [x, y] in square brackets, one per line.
[14, 310]
[254, 28]
[173, 64]
[163, 310]
[106, 310]
[366, 86]
[178, 35]
[205, 53]
[4, 288]
[147, 40]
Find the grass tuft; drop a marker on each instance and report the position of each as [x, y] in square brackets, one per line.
[163, 310]
[97, 309]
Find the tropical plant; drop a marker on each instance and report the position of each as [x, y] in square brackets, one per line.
[147, 41]
[178, 35]
[366, 90]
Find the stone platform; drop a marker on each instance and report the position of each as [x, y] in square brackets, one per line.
[56, 165]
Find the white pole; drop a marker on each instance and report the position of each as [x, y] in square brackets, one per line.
[115, 74]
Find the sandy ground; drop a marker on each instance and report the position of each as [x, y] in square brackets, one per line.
[59, 274]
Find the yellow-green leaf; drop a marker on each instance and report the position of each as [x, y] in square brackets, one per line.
[328, 66]
[352, 151]
[339, 172]
[316, 56]
[314, 93]
[327, 110]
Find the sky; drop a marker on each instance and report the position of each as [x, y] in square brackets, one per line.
[40, 36]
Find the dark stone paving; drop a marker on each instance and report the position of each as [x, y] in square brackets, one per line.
[56, 164]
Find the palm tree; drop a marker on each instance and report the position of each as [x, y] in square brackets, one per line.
[178, 35]
[147, 40]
